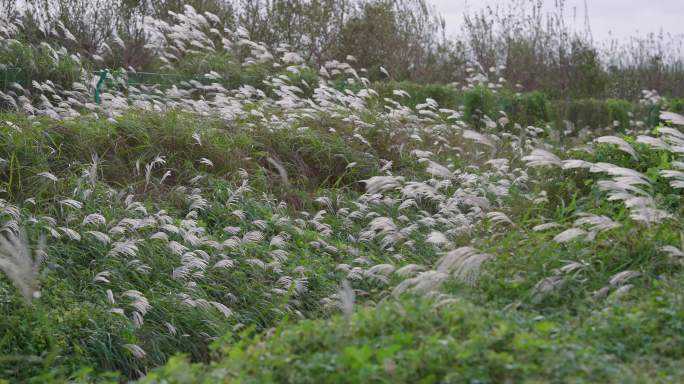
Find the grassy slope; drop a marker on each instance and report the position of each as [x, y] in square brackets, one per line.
[71, 325]
[495, 330]
[183, 252]
[499, 330]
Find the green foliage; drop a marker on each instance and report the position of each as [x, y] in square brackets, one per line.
[674, 105]
[599, 113]
[312, 159]
[196, 65]
[421, 341]
[619, 113]
[22, 63]
[532, 108]
[478, 102]
[587, 78]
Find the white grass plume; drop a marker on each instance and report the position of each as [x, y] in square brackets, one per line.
[621, 278]
[135, 350]
[496, 218]
[620, 143]
[597, 223]
[49, 176]
[569, 235]
[478, 138]
[542, 158]
[424, 283]
[437, 238]
[672, 117]
[546, 286]
[545, 226]
[464, 263]
[346, 299]
[281, 170]
[380, 184]
[438, 170]
[18, 263]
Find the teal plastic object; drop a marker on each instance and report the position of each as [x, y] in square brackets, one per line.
[103, 77]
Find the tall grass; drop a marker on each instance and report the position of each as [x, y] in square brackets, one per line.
[332, 228]
[538, 50]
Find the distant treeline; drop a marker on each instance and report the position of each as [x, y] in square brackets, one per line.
[529, 48]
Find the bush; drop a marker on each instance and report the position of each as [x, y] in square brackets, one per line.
[420, 341]
[526, 109]
[478, 102]
[596, 113]
[619, 113]
[674, 105]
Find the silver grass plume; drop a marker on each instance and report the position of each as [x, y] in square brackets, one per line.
[672, 117]
[464, 263]
[541, 158]
[620, 143]
[18, 263]
[346, 299]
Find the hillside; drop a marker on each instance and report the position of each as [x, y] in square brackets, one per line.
[316, 226]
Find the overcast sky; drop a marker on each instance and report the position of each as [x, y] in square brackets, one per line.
[608, 18]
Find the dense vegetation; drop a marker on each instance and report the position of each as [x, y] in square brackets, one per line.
[251, 219]
[400, 39]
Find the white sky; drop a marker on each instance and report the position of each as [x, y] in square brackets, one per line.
[608, 18]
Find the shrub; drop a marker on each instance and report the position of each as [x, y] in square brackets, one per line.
[596, 113]
[531, 108]
[478, 102]
[674, 105]
[619, 113]
[421, 341]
